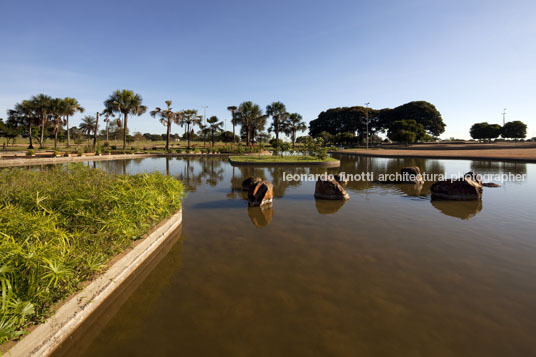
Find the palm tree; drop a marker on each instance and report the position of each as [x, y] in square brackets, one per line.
[107, 114]
[189, 117]
[125, 102]
[87, 126]
[71, 107]
[25, 113]
[278, 112]
[294, 124]
[251, 118]
[58, 110]
[41, 104]
[233, 109]
[214, 125]
[167, 117]
[204, 131]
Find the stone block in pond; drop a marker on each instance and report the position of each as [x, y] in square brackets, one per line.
[250, 181]
[330, 189]
[464, 189]
[260, 194]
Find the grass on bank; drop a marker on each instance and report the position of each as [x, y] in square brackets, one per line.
[281, 159]
[59, 227]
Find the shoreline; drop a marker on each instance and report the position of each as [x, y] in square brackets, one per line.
[336, 163]
[526, 155]
[79, 309]
[23, 161]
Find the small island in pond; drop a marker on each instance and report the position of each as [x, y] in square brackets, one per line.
[300, 160]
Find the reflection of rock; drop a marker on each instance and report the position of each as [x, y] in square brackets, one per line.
[462, 210]
[490, 184]
[260, 194]
[330, 189]
[261, 216]
[467, 188]
[329, 206]
[412, 174]
[250, 181]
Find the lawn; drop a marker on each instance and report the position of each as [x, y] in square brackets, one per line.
[61, 226]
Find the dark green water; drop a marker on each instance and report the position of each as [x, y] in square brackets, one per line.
[386, 273]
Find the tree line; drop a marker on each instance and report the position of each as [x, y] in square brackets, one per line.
[410, 122]
[40, 113]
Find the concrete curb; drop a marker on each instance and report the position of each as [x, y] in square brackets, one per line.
[47, 337]
[438, 157]
[58, 160]
[295, 164]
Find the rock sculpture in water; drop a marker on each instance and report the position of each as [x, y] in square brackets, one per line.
[330, 189]
[260, 194]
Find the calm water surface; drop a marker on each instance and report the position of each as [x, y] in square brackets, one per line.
[386, 273]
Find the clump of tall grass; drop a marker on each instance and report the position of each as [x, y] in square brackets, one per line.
[59, 227]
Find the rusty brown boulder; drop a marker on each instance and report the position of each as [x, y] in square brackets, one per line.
[467, 188]
[250, 181]
[330, 189]
[412, 174]
[341, 179]
[260, 194]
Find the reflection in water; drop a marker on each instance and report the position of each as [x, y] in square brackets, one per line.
[261, 216]
[458, 209]
[498, 167]
[386, 274]
[329, 206]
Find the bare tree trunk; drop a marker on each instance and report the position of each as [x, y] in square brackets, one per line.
[168, 134]
[68, 134]
[95, 132]
[55, 137]
[125, 133]
[43, 119]
[31, 139]
[107, 121]
[188, 129]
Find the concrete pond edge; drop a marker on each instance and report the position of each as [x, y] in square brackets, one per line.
[295, 164]
[47, 337]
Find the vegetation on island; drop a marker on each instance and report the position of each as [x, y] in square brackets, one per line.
[59, 227]
[299, 159]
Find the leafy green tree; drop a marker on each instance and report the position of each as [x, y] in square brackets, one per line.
[87, 126]
[167, 117]
[234, 120]
[9, 131]
[422, 112]
[406, 131]
[71, 107]
[293, 125]
[41, 105]
[24, 115]
[514, 130]
[485, 131]
[125, 102]
[278, 112]
[251, 119]
[108, 114]
[58, 110]
[189, 118]
[214, 126]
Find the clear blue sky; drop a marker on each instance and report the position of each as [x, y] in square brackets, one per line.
[469, 58]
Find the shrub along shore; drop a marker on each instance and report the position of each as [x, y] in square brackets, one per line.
[59, 227]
